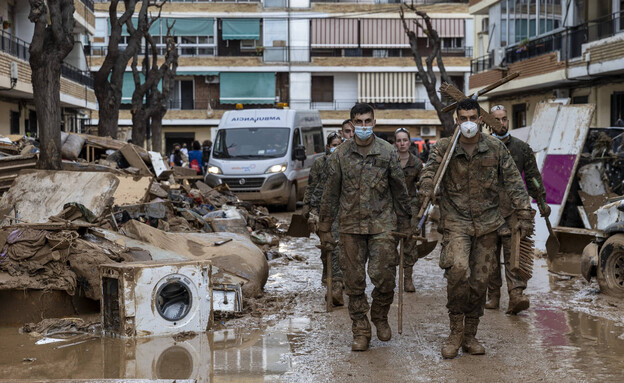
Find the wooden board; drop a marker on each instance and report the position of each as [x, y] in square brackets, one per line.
[132, 190]
[134, 159]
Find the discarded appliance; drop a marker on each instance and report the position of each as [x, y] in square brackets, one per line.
[604, 257]
[156, 297]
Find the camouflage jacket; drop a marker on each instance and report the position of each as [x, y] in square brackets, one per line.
[411, 171]
[524, 158]
[317, 171]
[367, 193]
[469, 192]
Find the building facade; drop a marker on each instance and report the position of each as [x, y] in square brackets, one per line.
[17, 108]
[569, 51]
[305, 54]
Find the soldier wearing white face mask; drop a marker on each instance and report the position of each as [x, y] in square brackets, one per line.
[470, 218]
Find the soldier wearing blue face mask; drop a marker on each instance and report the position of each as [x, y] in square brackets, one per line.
[366, 190]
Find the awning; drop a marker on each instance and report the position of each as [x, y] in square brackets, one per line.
[241, 29]
[334, 33]
[387, 87]
[383, 33]
[182, 72]
[247, 88]
[449, 27]
[189, 26]
[128, 87]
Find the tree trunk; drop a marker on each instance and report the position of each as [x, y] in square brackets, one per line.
[109, 102]
[139, 123]
[157, 131]
[47, 88]
[52, 41]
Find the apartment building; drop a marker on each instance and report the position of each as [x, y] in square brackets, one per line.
[17, 110]
[301, 53]
[572, 51]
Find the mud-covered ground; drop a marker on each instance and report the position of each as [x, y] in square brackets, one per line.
[570, 333]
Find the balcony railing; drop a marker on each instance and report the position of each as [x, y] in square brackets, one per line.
[89, 4]
[14, 46]
[70, 72]
[482, 63]
[569, 42]
[339, 104]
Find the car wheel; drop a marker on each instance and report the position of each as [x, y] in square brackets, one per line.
[611, 266]
[292, 199]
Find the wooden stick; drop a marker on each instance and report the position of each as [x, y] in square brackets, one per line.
[328, 261]
[401, 276]
[484, 90]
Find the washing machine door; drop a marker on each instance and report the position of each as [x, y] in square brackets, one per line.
[174, 298]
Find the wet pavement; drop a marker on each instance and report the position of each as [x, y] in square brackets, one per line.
[570, 333]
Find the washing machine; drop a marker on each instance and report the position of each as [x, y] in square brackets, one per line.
[151, 298]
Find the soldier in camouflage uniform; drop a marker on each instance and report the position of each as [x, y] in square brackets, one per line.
[524, 159]
[411, 170]
[311, 202]
[366, 190]
[469, 219]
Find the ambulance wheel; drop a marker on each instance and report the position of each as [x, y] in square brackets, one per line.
[291, 205]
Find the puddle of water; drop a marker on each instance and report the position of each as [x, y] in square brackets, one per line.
[579, 341]
[226, 354]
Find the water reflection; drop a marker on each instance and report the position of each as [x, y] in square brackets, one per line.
[225, 355]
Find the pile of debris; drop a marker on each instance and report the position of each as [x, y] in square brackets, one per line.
[57, 227]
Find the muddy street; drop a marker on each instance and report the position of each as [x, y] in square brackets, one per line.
[570, 333]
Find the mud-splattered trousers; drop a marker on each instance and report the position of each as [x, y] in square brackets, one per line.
[524, 159]
[411, 171]
[368, 194]
[470, 215]
[314, 199]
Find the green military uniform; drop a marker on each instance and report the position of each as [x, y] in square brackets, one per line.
[368, 194]
[470, 216]
[524, 159]
[411, 171]
[312, 199]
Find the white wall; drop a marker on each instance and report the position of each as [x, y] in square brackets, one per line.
[24, 29]
[345, 90]
[300, 40]
[469, 33]
[495, 27]
[299, 3]
[300, 90]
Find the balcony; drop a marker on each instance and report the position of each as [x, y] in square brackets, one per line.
[482, 63]
[14, 46]
[89, 4]
[74, 74]
[568, 42]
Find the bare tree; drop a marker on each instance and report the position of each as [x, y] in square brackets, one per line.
[425, 72]
[108, 80]
[52, 41]
[160, 98]
[143, 107]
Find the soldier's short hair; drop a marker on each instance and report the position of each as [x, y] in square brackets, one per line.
[345, 122]
[468, 104]
[362, 108]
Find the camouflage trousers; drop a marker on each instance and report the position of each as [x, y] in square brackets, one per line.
[379, 250]
[496, 281]
[467, 263]
[335, 254]
[410, 253]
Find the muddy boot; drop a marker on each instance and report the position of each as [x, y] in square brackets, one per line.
[470, 344]
[360, 343]
[493, 299]
[455, 338]
[408, 283]
[337, 298]
[379, 314]
[517, 301]
[358, 309]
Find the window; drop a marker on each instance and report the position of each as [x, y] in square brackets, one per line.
[525, 19]
[580, 100]
[380, 53]
[617, 109]
[15, 116]
[247, 45]
[182, 95]
[322, 88]
[251, 143]
[313, 140]
[519, 115]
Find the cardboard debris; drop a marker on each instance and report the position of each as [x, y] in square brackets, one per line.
[134, 159]
[132, 190]
[37, 195]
